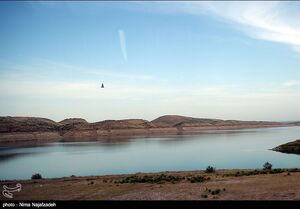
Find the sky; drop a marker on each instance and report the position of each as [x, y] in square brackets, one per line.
[226, 60]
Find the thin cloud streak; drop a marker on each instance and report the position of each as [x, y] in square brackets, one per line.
[291, 83]
[270, 21]
[123, 44]
[44, 67]
[261, 20]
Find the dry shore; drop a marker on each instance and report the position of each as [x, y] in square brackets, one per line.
[218, 186]
[30, 138]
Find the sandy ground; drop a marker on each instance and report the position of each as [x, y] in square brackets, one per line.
[259, 187]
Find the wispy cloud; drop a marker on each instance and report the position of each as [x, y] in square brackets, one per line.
[291, 83]
[271, 21]
[123, 44]
[44, 68]
[76, 90]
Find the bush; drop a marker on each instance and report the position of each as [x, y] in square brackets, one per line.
[36, 176]
[197, 179]
[216, 191]
[210, 169]
[267, 166]
[204, 196]
[151, 179]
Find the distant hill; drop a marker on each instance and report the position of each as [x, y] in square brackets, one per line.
[176, 120]
[295, 123]
[123, 124]
[27, 124]
[35, 128]
[73, 121]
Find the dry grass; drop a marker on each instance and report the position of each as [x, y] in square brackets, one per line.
[279, 186]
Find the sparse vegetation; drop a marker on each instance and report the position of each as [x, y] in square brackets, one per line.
[210, 169]
[267, 166]
[197, 179]
[204, 196]
[162, 178]
[215, 192]
[217, 188]
[36, 176]
[151, 179]
[259, 172]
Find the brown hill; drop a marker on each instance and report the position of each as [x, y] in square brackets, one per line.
[176, 120]
[123, 124]
[34, 124]
[297, 123]
[72, 124]
[73, 121]
[14, 129]
[27, 124]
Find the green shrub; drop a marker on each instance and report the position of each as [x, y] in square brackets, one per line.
[264, 171]
[36, 176]
[293, 170]
[204, 195]
[162, 178]
[210, 169]
[215, 192]
[267, 166]
[197, 179]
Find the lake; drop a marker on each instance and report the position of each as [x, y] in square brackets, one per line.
[247, 148]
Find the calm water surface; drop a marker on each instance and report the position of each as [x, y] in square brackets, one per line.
[222, 149]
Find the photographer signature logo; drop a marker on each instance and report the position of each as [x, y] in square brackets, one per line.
[8, 191]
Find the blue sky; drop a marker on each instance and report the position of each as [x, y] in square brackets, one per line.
[234, 60]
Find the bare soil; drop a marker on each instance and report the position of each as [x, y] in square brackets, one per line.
[281, 186]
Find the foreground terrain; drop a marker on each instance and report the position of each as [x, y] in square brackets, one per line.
[278, 184]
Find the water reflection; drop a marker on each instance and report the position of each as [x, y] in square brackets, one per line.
[11, 156]
[223, 149]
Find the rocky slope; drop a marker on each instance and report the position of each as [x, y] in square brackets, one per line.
[290, 147]
[176, 120]
[26, 124]
[14, 129]
[297, 123]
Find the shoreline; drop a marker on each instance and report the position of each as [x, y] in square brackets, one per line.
[292, 147]
[177, 186]
[36, 129]
[13, 139]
